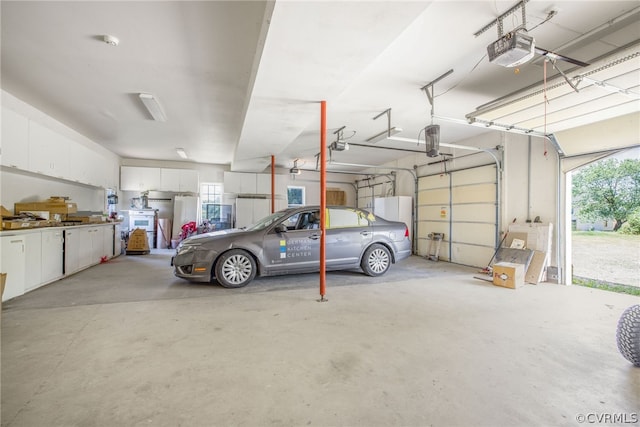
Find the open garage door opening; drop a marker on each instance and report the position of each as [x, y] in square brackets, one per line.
[604, 243]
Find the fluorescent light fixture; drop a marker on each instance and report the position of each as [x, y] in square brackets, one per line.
[384, 135]
[153, 107]
[181, 153]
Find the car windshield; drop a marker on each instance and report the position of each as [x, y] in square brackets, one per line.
[266, 221]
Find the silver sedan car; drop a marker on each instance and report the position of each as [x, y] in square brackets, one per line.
[288, 242]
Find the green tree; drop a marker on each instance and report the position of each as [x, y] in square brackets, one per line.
[607, 189]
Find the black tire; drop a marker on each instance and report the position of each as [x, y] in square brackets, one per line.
[628, 334]
[235, 269]
[376, 260]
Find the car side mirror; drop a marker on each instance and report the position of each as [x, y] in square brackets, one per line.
[281, 228]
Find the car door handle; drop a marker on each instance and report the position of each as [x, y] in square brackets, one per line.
[314, 236]
[365, 233]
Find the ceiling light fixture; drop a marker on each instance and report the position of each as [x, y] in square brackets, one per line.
[152, 105]
[110, 40]
[181, 153]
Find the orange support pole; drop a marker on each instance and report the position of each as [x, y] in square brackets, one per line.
[323, 197]
[273, 183]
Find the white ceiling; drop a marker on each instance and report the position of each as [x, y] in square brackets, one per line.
[240, 81]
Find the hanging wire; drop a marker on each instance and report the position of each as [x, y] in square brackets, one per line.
[546, 101]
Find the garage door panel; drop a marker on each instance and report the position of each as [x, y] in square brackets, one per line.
[432, 182]
[474, 193]
[478, 234]
[433, 196]
[423, 249]
[470, 222]
[473, 211]
[426, 227]
[473, 176]
[471, 255]
[431, 213]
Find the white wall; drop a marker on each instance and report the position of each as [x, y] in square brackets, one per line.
[17, 187]
[311, 182]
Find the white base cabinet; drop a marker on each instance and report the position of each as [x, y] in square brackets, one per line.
[52, 255]
[13, 263]
[33, 258]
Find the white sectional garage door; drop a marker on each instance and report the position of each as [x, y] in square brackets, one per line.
[462, 205]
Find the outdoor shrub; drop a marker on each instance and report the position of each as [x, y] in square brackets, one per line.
[632, 226]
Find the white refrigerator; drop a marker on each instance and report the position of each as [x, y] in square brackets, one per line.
[185, 209]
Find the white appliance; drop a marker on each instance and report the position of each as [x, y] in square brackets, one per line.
[146, 220]
[395, 208]
[185, 209]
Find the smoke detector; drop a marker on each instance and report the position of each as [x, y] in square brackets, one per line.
[110, 40]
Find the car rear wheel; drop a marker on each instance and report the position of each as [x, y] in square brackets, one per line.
[235, 269]
[376, 260]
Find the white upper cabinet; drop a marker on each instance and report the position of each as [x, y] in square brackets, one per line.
[48, 152]
[15, 140]
[135, 178]
[189, 180]
[169, 179]
[253, 183]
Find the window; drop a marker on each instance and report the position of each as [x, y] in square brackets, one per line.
[295, 196]
[214, 213]
[343, 218]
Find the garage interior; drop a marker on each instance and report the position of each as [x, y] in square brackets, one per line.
[239, 87]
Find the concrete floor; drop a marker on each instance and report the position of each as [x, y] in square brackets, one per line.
[126, 343]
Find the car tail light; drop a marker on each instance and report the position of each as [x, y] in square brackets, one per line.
[406, 232]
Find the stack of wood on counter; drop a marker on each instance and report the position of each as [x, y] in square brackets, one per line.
[524, 255]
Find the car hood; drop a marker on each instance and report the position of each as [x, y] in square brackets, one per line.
[201, 238]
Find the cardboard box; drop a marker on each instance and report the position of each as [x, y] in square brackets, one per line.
[4, 211]
[53, 206]
[508, 275]
[3, 281]
[16, 224]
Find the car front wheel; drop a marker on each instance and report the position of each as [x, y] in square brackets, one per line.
[235, 269]
[376, 260]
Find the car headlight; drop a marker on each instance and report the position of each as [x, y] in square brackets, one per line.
[185, 249]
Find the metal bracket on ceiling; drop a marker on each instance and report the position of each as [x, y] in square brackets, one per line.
[388, 113]
[430, 94]
[500, 19]
[567, 79]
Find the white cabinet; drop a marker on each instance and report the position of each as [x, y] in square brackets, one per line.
[71, 250]
[52, 255]
[12, 263]
[15, 139]
[396, 208]
[179, 180]
[189, 181]
[33, 260]
[48, 152]
[169, 179]
[134, 178]
[249, 211]
[253, 183]
[240, 183]
[107, 241]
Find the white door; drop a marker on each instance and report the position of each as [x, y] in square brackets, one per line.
[33, 255]
[71, 250]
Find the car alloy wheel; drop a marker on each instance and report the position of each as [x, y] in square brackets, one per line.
[235, 269]
[376, 260]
